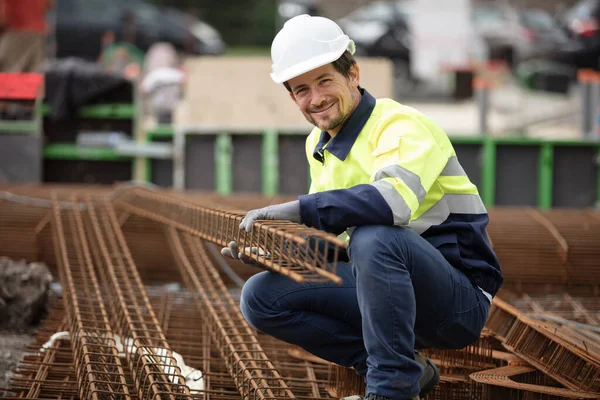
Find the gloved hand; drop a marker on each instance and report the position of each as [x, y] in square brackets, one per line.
[289, 211]
[232, 252]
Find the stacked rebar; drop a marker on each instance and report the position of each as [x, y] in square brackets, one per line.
[154, 369]
[250, 368]
[106, 241]
[99, 371]
[300, 253]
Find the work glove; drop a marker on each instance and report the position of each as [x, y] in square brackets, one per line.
[232, 252]
[289, 211]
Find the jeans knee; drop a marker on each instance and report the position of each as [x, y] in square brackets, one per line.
[373, 239]
[378, 245]
[252, 305]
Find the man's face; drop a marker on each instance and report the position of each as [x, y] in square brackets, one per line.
[326, 97]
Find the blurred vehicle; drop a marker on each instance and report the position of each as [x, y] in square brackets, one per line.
[582, 22]
[79, 27]
[288, 9]
[544, 30]
[501, 28]
[382, 29]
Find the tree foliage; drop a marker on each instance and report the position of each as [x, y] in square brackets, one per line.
[240, 22]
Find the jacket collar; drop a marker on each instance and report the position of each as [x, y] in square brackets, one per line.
[341, 144]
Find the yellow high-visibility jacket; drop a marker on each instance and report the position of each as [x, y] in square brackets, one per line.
[392, 165]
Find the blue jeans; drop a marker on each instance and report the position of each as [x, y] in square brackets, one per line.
[399, 293]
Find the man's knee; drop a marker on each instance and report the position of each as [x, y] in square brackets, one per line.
[253, 305]
[372, 240]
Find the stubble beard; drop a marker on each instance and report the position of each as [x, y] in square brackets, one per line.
[328, 125]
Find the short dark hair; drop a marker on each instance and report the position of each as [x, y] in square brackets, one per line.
[341, 65]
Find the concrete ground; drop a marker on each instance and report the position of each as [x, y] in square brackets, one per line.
[513, 112]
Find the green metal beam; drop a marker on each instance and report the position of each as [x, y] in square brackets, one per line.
[101, 111]
[223, 164]
[19, 128]
[270, 163]
[545, 176]
[488, 175]
[161, 131]
[68, 151]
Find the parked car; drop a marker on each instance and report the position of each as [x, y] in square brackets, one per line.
[582, 22]
[79, 26]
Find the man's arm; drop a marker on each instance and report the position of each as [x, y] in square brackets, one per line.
[407, 161]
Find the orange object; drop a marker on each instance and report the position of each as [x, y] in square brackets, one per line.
[25, 15]
[480, 82]
[20, 86]
[585, 75]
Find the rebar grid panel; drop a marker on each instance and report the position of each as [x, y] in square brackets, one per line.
[284, 247]
[461, 362]
[254, 374]
[149, 357]
[566, 360]
[501, 318]
[189, 333]
[524, 382]
[530, 248]
[344, 382]
[17, 227]
[146, 242]
[39, 374]
[99, 370]
[307, 378]
[561, 304]
[581, 232]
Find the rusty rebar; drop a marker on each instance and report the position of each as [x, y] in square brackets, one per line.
[285, 246]
[565, 359]
[518, 381]
[254, 374]
[149, 357]
[99, 371]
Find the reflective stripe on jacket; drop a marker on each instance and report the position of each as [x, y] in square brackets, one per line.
[392, 165]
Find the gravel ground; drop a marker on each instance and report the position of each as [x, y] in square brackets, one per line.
[25, 296]
[12, 347]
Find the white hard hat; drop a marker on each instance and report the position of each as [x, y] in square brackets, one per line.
[305, 43]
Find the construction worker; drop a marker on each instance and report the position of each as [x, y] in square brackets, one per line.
[421, 272]
[25, 29]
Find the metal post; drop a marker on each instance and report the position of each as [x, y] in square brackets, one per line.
[594, 102]
[179, 159]
[482, 96]
[585, 76]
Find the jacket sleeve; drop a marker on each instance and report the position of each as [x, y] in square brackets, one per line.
[406, 162]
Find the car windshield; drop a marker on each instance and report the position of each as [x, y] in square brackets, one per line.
[489, 17]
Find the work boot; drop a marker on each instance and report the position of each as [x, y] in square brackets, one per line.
[430, 376]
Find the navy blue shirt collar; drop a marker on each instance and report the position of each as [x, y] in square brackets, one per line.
[341, 144]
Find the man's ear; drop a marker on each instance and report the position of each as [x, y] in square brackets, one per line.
[354, 75]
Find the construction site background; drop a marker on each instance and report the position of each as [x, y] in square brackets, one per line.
[106, 286]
